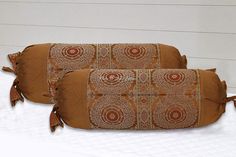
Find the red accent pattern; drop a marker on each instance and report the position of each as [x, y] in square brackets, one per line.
[174, 78]
[134, 52]
[143, 100]
[69, 57]
[72, 52]
[112, 78]
[112, 112]
[112, 81]
[136, 56]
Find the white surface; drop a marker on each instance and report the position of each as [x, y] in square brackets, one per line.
[24, 131]
[144, 17]
[204, 30]
[172, 2]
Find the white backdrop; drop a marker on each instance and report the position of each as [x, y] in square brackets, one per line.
[204, 30]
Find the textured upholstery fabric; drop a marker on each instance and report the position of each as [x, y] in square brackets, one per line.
[38, 67]
[139, 99]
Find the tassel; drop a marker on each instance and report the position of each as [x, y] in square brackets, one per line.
[55, 120]
[15, 93]
[7, 69]
[232, 98]
[13, 59]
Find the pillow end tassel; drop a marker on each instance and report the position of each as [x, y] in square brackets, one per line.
[15, 92]
[7, 69]
[232, 98]
[55, 120]
[15, 95]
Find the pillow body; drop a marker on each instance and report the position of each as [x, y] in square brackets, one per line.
[138, 99]
[38, 67]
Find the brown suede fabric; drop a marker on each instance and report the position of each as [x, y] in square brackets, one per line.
[32, 72]
[77, 107]
[213, 94]
[170, 61]
[35, 74]
[171, 99]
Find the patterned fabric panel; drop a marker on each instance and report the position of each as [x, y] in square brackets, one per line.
[70, 57]
[143, 99]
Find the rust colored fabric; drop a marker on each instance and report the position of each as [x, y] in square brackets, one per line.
[140, 99]
[38, 67]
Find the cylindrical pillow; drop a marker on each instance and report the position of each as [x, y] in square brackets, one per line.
[138, 99]
[38, 67]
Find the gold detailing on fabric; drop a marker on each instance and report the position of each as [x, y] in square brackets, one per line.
[112, 112]
[143, 99]
[69, 57]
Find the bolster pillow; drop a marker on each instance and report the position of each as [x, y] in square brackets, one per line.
[138, 99]
[38, 67]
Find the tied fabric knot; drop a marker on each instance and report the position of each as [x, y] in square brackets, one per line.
[226, 100]
[13, 59]
[232, 98]
[7, 69]
[15, 93]
[55, 120]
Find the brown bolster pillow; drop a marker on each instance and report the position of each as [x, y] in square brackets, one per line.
[138, 99]
[38, 67]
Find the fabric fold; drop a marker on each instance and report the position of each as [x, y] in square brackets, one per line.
[55, 120]
[15, 91]
[231, 98]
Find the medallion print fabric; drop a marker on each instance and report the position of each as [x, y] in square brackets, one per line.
[143, 99]
[69, 57]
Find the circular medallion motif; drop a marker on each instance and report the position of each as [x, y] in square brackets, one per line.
[174, 80]
[137, 56]
[134, 52]
[72, 52]
[73, 56]
[112, 112]
[112, 115]
[174, 77]
[175, 114]
[112, 78]
[170, 116]
[112, 81]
